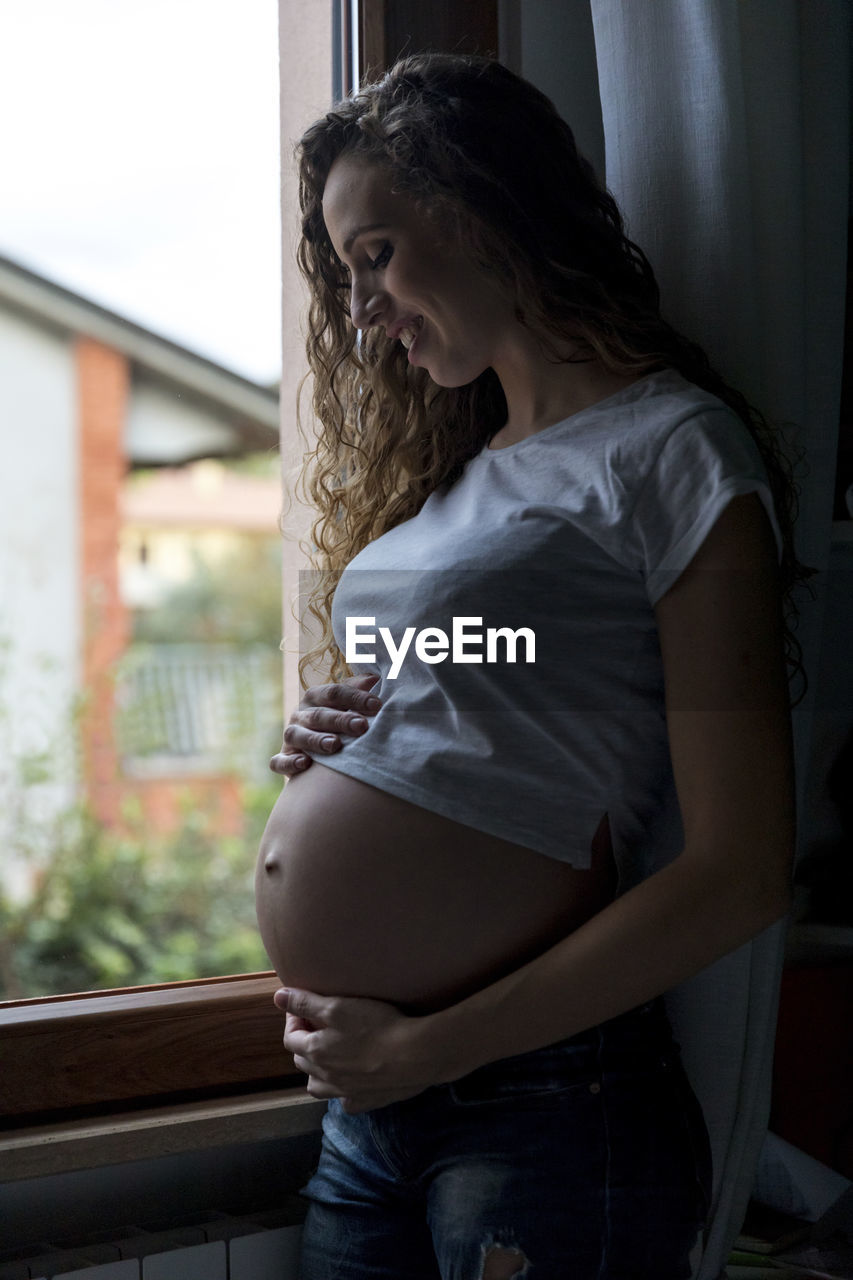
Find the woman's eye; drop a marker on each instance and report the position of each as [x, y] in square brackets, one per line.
[383, 259]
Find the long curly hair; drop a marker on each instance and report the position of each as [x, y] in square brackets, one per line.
[487, 157]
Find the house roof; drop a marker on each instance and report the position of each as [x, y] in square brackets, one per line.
[249, 409]
[204, 495]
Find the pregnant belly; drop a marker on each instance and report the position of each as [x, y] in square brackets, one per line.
[361, 893]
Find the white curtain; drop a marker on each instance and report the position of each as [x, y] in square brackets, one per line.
[726, 128]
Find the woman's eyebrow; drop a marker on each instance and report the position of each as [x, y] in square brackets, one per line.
[360, 231]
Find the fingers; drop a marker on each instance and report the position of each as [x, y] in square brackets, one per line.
[309, 728]
[365, 682]
[318, 1089]
[305, 1006]
[289, 765]
[353, 694]
[326, 714]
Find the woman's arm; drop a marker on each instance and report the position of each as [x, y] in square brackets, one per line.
[730, 742]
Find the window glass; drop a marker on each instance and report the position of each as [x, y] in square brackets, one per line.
[140, 340]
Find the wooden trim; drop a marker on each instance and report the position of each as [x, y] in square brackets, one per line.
[373, 55]
[389, 31]
[42, 1150]
[103, 1050]
[103, 389]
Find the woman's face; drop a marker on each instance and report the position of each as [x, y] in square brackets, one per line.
[411, 279]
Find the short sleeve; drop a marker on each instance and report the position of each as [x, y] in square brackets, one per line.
[705, 461]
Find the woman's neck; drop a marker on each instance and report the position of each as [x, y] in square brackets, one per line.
[540, 392]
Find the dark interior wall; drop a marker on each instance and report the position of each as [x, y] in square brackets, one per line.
[251, 1177]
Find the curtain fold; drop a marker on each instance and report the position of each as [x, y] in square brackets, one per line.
[726, 127]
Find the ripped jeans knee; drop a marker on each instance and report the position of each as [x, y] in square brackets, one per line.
[503, 1262]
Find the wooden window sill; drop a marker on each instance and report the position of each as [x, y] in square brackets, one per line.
[67, 1057]
[63, 1147]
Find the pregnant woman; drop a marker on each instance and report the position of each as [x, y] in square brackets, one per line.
[553, 546]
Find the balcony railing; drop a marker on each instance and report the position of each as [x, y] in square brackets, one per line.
[197, 708]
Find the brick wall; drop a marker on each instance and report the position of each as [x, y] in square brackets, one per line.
[103, 386]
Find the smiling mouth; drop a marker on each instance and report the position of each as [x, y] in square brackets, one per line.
[409, 332]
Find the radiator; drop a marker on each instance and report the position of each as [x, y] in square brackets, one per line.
[214, 1246]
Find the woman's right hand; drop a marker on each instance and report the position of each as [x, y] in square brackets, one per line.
[326, 712]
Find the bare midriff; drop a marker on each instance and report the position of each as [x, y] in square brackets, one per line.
[361, 893]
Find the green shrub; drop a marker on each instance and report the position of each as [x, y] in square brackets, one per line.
[110, 909]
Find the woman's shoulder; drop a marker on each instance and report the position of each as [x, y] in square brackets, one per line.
[662, 421]
[662, 400]
[662, 438]
[637, 418]
[660, 458]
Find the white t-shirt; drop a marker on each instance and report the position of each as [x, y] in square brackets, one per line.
[573, 534]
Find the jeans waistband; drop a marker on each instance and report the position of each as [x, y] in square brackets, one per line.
[642, 1030]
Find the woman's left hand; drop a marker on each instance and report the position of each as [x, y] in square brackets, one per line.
[363, 1051]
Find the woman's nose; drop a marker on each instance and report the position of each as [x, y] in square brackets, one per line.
[367, 303]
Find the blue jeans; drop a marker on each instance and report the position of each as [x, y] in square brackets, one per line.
[586, 1160]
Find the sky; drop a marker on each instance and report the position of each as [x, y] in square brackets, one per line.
[139, 164]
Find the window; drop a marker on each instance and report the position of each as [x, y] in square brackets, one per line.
[67, 1054]
[94, 386]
